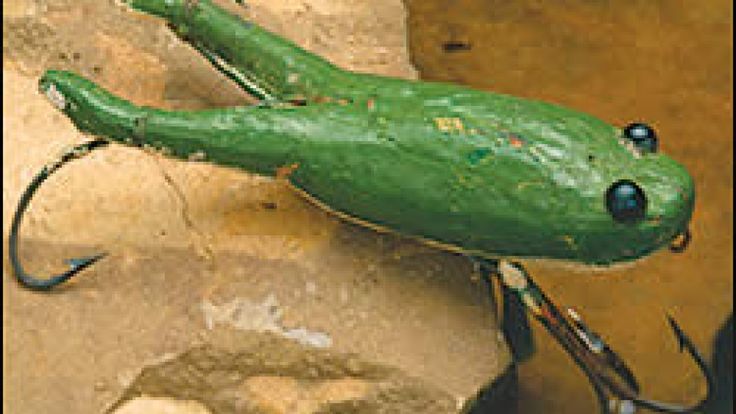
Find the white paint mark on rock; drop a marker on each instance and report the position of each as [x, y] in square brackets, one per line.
[311, 338]
[240, 313]
[311, 287]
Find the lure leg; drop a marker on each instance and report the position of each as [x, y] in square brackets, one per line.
[75, 265]
[258, 139]
[263, 64]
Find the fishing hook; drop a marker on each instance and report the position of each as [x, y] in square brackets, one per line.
[615, 385]
[76, 265]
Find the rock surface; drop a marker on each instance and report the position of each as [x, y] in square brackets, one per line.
[234, 372]
[159, 405]
[195, 248]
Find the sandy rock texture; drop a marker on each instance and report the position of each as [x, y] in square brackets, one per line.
[196, 249]
[260, 373]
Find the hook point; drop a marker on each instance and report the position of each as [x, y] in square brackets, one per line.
[80, 263]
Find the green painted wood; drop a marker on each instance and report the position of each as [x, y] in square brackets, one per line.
[483, 173]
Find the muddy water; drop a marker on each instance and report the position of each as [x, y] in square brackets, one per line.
[667, 63]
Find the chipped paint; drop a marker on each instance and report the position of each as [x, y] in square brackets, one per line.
[56, 97]
[286, 170]
[515, 141]
[449, 124]
[524, 184]
[569, 240]
[629, 145]
[534, 151]
[197, 156]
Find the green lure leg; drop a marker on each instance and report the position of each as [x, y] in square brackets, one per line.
[263, 64]
[260, 139]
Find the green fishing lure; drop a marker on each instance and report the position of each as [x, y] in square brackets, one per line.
[486, 174]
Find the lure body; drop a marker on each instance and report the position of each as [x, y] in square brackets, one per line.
[482, 173]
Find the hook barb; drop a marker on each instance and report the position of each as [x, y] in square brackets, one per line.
[685, 343]
[76, 265]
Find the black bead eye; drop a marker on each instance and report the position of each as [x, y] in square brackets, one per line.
[643, 137]
[626, 201]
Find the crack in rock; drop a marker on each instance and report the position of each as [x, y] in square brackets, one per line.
[199, 240]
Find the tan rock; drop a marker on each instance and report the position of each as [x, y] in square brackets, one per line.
[236, 372]
[151, 405]
[182, 235]
[285, 395]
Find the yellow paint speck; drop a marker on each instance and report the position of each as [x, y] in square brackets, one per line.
[449, 124]
[569, 240]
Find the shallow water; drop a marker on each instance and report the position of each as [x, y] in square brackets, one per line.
[667, 63]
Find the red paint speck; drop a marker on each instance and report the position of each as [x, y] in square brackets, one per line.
[515, 141]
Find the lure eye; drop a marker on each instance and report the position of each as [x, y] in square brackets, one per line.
[643, 137]
[626, 201]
